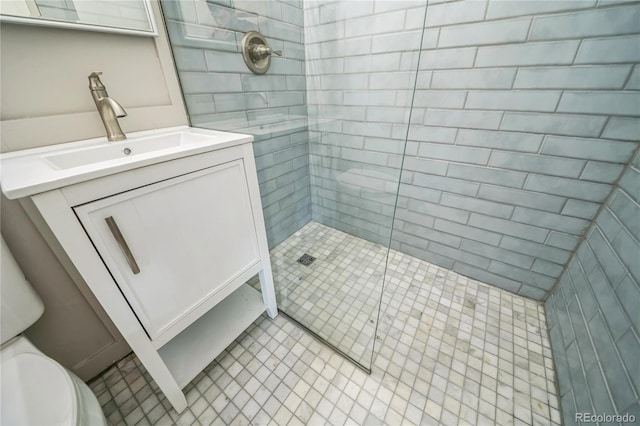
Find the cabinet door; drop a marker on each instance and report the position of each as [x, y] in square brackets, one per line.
[190, 237]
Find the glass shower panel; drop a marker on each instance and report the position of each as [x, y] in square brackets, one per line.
[361, 61]
[330, 121]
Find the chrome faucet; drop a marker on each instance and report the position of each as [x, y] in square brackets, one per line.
[108, 108]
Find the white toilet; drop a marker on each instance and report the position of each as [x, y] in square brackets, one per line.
[35, 389]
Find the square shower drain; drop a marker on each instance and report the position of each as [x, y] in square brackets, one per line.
[306, 259]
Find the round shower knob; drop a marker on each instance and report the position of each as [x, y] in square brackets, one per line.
[260, 51]
[257, 53]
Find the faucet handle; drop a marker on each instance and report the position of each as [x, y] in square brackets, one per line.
[261, 51]
[94, 81]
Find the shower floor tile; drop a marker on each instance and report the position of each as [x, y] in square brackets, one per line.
[338, 295]
[449, 350]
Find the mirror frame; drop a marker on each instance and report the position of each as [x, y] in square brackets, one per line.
[153, 32]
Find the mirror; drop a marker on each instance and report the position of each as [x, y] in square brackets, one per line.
[120, 16]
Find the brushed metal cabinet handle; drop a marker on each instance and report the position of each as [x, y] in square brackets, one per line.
[113, 227]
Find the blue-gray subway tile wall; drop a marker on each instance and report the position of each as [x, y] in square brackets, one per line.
[515, 138]
[523, 117]
[361, 69]
[593, 312]
[221, 93]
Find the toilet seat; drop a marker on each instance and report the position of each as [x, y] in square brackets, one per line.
[35, 389]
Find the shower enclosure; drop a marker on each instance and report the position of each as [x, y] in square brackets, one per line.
[359, 83]
[482, 136]
[330, 121]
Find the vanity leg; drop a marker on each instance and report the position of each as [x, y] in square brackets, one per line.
[159, 372]
[268, 291]
[265, 274]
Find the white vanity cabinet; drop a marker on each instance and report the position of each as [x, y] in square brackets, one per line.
[175, 247]
[166, 244]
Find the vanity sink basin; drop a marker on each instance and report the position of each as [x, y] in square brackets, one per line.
[115, 150]
[32, 171]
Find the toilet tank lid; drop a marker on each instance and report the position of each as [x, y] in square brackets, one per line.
[36, 390]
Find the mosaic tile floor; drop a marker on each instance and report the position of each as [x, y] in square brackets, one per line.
[449, 350]
[338, 295]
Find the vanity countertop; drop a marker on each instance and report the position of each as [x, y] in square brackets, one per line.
[28, 172]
